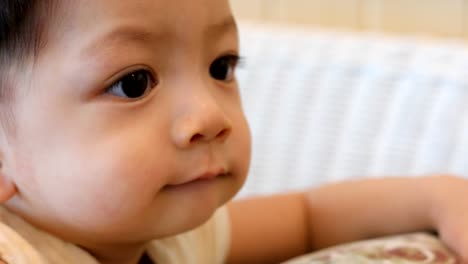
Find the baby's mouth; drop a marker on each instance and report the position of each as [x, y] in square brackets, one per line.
[207, 176]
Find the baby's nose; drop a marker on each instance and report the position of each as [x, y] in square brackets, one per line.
[202, 121]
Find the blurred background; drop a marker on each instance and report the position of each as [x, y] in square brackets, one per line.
[344, 89]
[441, 18]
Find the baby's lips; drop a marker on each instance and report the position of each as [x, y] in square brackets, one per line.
[211, 175]
[208, 174]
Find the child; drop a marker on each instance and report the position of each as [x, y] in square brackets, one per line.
[96, 169]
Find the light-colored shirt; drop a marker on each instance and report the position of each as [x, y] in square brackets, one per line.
[22, 243]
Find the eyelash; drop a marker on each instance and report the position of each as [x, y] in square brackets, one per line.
[231, 61]
[217, 71]
[149, 81]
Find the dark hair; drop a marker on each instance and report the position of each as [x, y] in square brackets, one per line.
[22, 28]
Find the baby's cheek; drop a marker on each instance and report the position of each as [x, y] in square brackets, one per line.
[241, 146]
[122, 184]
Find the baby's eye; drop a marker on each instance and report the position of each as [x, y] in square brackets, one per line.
[133, 85]
[222, 69]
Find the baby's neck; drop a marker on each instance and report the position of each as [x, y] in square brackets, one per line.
[122, 256]
[145, 259]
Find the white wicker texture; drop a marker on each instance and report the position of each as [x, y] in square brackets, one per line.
[326, 106]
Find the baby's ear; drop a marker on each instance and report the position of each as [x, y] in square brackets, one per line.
[7, 186]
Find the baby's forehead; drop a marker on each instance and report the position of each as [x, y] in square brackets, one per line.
[85, 21]
[162, 14]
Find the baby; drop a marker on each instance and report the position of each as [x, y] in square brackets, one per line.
[96, 169]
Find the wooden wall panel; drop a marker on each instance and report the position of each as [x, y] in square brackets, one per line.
[447, 18]
[440, 17]
[333, 13]
[295, 11]
[370, 15]
[249, 9]
[465, 19]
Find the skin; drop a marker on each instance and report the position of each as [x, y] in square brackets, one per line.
[275, 228]
[97, 169]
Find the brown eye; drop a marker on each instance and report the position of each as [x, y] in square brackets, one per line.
[223, 68]
[133, 85]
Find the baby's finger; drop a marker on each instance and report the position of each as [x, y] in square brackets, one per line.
[456, 239]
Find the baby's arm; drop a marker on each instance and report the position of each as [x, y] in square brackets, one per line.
[272, 229]
[268, 229]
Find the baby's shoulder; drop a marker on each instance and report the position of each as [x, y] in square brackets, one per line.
[15, 249]
[23, 243]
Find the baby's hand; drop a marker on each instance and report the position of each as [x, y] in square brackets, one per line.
[449, 212]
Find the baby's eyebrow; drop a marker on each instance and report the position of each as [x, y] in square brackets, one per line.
[225, 25]
[122, 34]
[138, 34]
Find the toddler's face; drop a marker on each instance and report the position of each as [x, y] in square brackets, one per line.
[131, 127]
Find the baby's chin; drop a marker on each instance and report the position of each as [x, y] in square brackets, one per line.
[194, 209]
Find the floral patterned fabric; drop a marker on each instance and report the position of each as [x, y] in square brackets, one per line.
[404, 249]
